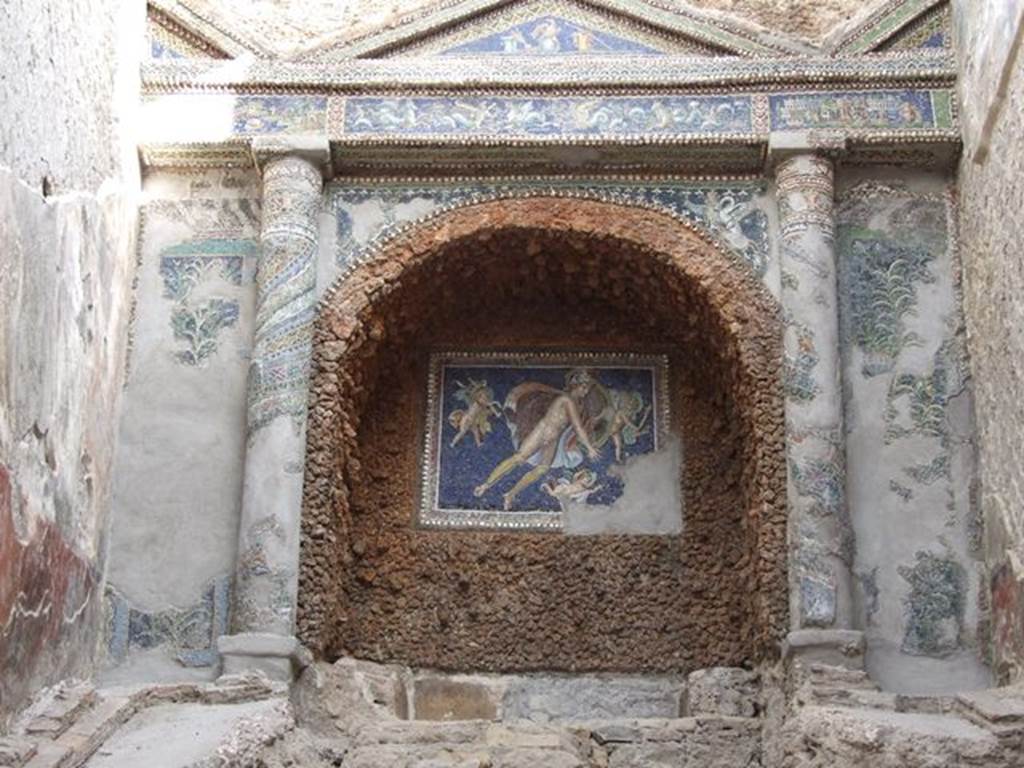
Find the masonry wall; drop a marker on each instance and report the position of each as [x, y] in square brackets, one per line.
[68, 183]
[992, 229]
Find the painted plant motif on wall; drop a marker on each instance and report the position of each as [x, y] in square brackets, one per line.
[515, 439]
[886, 259]
[935, 605]
[198, 320]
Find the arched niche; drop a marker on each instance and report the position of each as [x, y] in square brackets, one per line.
[555, 273]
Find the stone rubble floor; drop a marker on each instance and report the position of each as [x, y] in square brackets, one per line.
[836, 720]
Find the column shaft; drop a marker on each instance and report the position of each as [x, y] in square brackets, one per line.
[267, 572]
[820, 531]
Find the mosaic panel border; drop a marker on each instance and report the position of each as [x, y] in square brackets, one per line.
[432, 517]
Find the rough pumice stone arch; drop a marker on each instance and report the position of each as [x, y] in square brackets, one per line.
[357, 318]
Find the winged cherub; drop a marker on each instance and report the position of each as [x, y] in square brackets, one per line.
[475, 418]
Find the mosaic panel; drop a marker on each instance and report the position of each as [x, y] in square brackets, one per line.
[168, 40]
[469, 20]
[512, 439]
[257, 115]
[196, 322]
[193, 630]
[731, 212]
[935, 605]
[874, 110]
[551, 36]
[538, 116]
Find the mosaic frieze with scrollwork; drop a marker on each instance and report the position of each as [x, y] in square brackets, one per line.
[731, 211]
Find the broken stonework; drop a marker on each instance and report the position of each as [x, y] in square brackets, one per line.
[721, 691]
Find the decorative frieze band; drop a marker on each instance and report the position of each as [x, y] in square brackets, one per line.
[878, 116]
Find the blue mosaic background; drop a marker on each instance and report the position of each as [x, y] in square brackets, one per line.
[551, 36]
[465, 466]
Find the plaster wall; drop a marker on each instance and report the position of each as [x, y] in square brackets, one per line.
[181, 438]
[911, 469]
[68, 185]
[989, 35]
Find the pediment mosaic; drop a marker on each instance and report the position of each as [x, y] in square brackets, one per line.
[555, 28]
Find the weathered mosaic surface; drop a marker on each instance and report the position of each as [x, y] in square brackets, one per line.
[733, 212]
[191, 631]
[197, 321]
[279, 114]
[932, 30]
[512, 439]
[643, 24]
[909, 445]
[859, 112]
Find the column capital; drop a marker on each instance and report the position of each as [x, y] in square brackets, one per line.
[314, 148]
[785, 145]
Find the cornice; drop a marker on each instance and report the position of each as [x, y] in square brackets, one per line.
[565, 74]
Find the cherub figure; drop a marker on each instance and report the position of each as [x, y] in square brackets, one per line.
[622, 429]
[545, 33]
[547, 425]
[475, 418]
[578, 489]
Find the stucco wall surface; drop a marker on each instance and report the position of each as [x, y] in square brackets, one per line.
[992, 229]
[68, 180]
[181, 439]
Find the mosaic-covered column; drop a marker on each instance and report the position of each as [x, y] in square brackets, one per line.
[820, 533]
[266, 575]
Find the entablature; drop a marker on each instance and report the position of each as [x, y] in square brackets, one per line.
[666, 113]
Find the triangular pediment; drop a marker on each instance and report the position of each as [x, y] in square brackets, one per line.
[552, 28]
